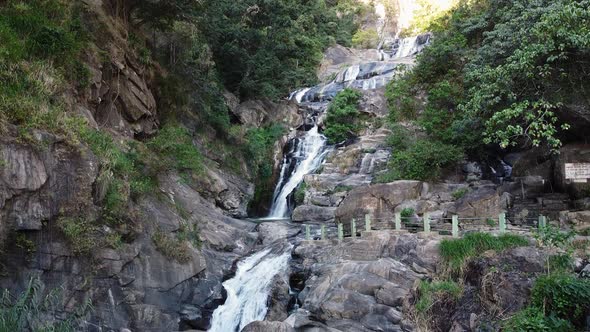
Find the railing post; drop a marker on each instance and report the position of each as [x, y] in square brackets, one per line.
[455, 226]
[502, 219]
[367, 222]
[307, 233]
[340, 232]
[426, 219]
[542, 221]
[398, 221]
[353, 228]
[323, 232]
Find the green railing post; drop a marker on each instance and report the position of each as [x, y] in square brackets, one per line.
[323, 232]
[340, 232]
[367, 222]
[353, 228]
[542, 221]
[307, 232]
[455, 226]
[426, 219]
[398, 221]
[502, 219]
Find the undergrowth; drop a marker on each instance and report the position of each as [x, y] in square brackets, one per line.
[455, 253]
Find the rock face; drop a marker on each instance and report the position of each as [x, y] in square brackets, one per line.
[36, 184]
[256, 113]
[361, 284]
[131, 283]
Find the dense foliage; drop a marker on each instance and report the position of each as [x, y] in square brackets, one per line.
[39, 46]
[268, 48]
[499, 70]
[342, 119]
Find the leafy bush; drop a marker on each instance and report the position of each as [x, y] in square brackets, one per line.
[552, 236]
[400, 138]
[407, 213]
[365, 39]
[460, 193]
[400, 94]
[259, 143]
[563, 295]
[342, 116]
[533, 319]
[455, 253]
[300, 193]
[422, 161]
[174, 143]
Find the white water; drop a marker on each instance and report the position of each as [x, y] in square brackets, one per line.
[248, 291]
[309, 155]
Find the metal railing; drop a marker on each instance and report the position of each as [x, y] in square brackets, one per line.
[458, 226]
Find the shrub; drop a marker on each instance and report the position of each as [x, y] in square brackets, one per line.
[400, 138]
[401, 99]
[80, 234]
[460, 193]
[365, 39]
[563, 295]
[342, 117]
[300, 193]
[532, 319]
[174, 143]
[422, 161]
[552, 236]
[455, 253]
[171, 247]
[406, 214]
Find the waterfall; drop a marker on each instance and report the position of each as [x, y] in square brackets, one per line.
[308, 156]
[248, 291]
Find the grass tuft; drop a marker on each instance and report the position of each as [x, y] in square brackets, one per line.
[455, 253]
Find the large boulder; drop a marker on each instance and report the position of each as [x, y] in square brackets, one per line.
[313, 213]
[378, 200]
[361, 284]
[483, 202]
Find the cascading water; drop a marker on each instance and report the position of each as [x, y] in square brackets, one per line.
[248, 291]
[308, 156]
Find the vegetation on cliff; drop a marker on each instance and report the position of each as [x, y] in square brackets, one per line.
[498, 73]
[342, 119]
